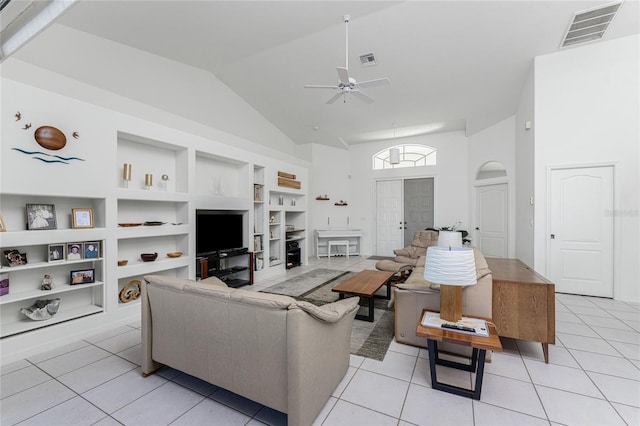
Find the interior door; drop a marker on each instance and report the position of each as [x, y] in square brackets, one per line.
[580, 250]
[418, 206]
[389, 226]
[492, 213]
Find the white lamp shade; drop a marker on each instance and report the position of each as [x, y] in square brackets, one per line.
[450, 238]
[450, 266]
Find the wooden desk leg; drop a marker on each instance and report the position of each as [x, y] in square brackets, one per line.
[545, 351]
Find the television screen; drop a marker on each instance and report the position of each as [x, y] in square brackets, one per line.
[218, 230]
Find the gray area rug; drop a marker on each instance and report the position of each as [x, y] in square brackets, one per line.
[368, 339]
[380, 258]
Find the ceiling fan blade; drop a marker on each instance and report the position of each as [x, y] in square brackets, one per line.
[364, 98]
[372, 83]
[343, 74]
[319, 86]
[335, 97]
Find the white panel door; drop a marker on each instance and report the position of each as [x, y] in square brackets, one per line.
[418, 206]
[580, 254]
[389, 226]
[492, 209]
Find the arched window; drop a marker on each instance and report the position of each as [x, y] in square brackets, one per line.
[491, 169]
[400, 156]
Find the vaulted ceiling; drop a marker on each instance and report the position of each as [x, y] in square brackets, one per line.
[452, 65]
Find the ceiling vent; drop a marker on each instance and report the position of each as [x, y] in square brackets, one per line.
[589, 25]
[367, 59]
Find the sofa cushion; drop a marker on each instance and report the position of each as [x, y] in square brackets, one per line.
[266, 300]
[330, 312]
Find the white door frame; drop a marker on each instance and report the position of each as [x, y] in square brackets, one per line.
[510, 214]
[401, 178]
[616, 223]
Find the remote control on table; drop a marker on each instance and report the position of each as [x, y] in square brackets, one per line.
[458, 327]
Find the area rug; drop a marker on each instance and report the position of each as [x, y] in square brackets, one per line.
[380, 258]
[368, 339]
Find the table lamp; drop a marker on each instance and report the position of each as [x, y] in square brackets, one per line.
[452, 268]
[450, 238]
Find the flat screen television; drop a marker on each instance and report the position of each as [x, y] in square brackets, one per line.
[218, 230]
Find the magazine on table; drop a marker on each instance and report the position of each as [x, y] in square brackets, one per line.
[466, 325]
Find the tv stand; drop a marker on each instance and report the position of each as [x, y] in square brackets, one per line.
[234, 267]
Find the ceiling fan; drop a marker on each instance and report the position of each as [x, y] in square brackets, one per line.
[347, 85]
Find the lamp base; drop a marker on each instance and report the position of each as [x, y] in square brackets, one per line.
[451, 302]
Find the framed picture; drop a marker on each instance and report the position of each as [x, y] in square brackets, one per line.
[91, 250]
[41, 216]
[56, 252]
[3, 228]
[4, 284]
[15, 258]
[75, 251]
[83, 276]
[81, 218]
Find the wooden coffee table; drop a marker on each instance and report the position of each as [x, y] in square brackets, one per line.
[365, 284]
[480, 345]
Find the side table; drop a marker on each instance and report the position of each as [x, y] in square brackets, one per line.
[480, 345]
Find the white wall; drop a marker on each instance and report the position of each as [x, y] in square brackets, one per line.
[182, 96]
[330, 175]
[524, 150]
[450, 179]
[587, 108]
[495, 143]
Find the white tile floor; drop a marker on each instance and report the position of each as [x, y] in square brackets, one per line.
[593, 378]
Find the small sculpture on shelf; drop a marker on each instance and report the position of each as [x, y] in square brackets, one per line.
[41, 309]
[342, 203]
[324, 197]
[130, 292]
[47, 282]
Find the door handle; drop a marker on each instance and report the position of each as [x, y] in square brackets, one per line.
[553, 236]
[477, 229]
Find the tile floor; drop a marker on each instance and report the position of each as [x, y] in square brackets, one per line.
[593, 378]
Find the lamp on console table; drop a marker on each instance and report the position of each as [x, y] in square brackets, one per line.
[452, 268]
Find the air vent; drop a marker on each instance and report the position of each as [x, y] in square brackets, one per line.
[589, 25]
[367, 59]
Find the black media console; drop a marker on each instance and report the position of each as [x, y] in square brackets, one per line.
[234, 267]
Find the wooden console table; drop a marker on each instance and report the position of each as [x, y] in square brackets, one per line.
[524, 303]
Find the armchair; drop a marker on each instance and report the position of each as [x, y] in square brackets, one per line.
[418, 247]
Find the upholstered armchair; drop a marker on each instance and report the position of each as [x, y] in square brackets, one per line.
[418, 247]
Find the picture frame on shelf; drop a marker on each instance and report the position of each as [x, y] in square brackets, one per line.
[3, 227]
[4, 284]
[82, 276]
[15, 258]
[75, 251]
[41, 216]
[91, 250]
[82, 218]
[56, 253]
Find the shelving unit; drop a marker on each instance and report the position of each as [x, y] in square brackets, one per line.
[258, 218]
[25, 280]
[275, 238]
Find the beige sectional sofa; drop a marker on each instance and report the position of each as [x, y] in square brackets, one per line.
[416, 294]
[281, 353]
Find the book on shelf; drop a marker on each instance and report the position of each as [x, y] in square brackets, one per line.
[466, 325]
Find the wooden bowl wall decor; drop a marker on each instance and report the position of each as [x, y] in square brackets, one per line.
[49, 137]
